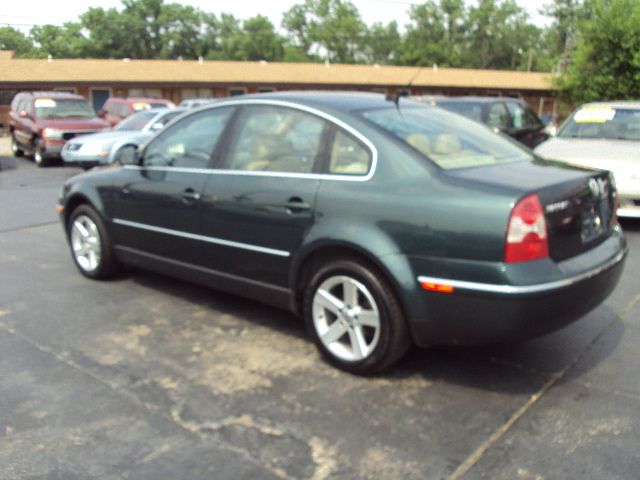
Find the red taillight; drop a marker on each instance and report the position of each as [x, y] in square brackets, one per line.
[527, 232]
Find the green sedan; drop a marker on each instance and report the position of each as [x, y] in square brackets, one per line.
[381, 222]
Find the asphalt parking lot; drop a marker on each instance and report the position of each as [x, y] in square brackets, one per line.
[145, 377]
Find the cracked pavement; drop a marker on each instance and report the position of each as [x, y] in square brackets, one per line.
[147, 377]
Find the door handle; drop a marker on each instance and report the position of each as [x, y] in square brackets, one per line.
[296, 205]
[190, 195]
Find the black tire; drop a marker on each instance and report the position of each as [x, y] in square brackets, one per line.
[15, 146]
[393, 339]
[39, 155]
[107, 265]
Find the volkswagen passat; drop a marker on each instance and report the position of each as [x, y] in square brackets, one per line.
[382, 224]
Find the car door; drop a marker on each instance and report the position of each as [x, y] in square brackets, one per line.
[527, 128]
[260, 202]
[25, 127]
[157, 208]
[498, 117]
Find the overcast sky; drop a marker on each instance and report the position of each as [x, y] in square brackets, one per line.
[24, 13]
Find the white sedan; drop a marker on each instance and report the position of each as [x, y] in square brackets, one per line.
[603, 135]
[88, 151]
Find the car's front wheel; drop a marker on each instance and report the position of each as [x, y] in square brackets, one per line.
[15, 147]
[90, 243]
[355, 317]
[39, 155]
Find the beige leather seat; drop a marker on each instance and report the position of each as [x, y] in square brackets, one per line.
[420, 142]
[446, 144]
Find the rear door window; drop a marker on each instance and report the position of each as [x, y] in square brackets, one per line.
[348, 156]
[275, 139]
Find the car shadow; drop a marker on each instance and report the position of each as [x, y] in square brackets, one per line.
[630, 224]
[514, 368]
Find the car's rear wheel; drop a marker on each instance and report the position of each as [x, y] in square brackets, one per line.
[90, 244]
[15, 147]
[355, 317]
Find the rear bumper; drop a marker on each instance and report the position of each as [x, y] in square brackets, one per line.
[481, 313]
[629, 206]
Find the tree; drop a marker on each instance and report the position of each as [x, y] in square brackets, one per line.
[559, 38]
[498, 35]
[381, 43]
[12, 39]
[437, 35]
[61, 42]
[259, 41]
[331, 29]
[606, 60]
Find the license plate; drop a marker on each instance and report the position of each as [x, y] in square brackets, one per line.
[592, 226]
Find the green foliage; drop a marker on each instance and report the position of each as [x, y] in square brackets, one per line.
[495, 34]
[331, 29]
[381, 43]
[606, 60]
[12, 39]
[437, 35]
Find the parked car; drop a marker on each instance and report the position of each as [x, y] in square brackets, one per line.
[117, 109]
[604, 135]
[196, 102]
[507, 115]
[380, 224]
[91, 150]
[41, 122]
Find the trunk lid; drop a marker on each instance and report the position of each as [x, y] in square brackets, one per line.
[578, 202]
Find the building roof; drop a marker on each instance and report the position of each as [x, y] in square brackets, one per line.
[91, 71]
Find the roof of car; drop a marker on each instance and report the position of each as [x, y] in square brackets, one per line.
[53, 94]
[336, 100]
[476, 99]
[628, 104]
[138, 99]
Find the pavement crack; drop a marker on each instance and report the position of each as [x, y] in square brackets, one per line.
[174, 418]
[29, 227]
[479, 452]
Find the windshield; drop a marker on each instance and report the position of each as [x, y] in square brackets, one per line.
[596, 121]
[448, 140]
[136, 121]
[63, 108]
[472, 110]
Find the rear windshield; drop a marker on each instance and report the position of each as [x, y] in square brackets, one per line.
[450, 141]
[63, 108]
[136, 121]
[472, 110]
[597, 121]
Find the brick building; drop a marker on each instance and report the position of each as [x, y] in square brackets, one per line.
[176, 79]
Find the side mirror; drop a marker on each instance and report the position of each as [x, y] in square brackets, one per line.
[102, 113]
[127, 155]
[156, 126]
[23, 114]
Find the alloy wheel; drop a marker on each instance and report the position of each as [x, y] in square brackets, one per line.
[85, 242]
[346, 318]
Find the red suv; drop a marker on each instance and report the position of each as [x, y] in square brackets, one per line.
[41, 122]
[117, 109]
